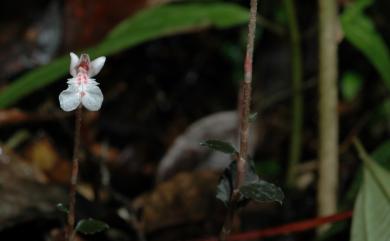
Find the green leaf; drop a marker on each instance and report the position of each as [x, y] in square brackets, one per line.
[217, 145]
[228, 182]
[147, 25]
[371, 219]
[62, 208]
[360, 31]
[382, 155]
[262, 191]
[91, 226]
[253, 117]
[351, 84]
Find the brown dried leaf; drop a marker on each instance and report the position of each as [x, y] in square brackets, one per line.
[186, 198]
[44, 156]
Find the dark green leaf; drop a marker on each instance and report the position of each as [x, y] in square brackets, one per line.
[147, 25]
[262, 191]
[221, 146]
[351, 84]
[253, 117]
[382, 155]
[61, 207]
[229, 181]
[91, 226]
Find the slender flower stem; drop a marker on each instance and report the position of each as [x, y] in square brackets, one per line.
[244, 111]
[75, 171]
[297, 100]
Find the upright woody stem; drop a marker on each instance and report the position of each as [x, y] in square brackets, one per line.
[74, 177]
[244, 111]
[327, 107]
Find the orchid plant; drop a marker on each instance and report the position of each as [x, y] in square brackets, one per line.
[82, 91]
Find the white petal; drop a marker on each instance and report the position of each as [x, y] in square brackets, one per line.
[93, 98]
[74, 60]
[72, 81]
[96, 66]
[92, 82]
[69, 98]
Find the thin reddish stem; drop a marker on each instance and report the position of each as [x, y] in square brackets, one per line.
[243, 111]
[75, 173]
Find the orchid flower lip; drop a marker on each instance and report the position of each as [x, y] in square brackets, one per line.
[82, 89]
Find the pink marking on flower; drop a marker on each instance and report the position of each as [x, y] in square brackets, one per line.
[84, 62]
[82, 90]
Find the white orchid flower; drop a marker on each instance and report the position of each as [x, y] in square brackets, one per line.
[81, 88]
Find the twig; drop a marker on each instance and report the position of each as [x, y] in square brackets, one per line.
[244, 111]
[297, 101]
[75, 171]
[328, 116]
[289, 228]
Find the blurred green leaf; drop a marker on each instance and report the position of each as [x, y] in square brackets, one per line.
[371, 219]
[253, 117]
[356, 8]
[360, 31]
[351, 84]
[147, 25]
[382, 155]
[91, 226]
[217, 145]
[269, 168]
[262, 191]
[62, 208]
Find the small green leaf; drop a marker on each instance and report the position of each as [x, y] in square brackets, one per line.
[62, 208]
[221, 146]
[262, 191]
[229, 181]
[91, 226]
[253, 117]
[351, 84]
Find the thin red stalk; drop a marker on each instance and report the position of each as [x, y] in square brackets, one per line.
[294, 227]
[244, 111]
[245, 95]
[75, 171]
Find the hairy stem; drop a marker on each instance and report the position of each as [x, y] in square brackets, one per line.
[328, 116]
[244, 111]
[75, 171]
[245, 96]
[297, 97]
